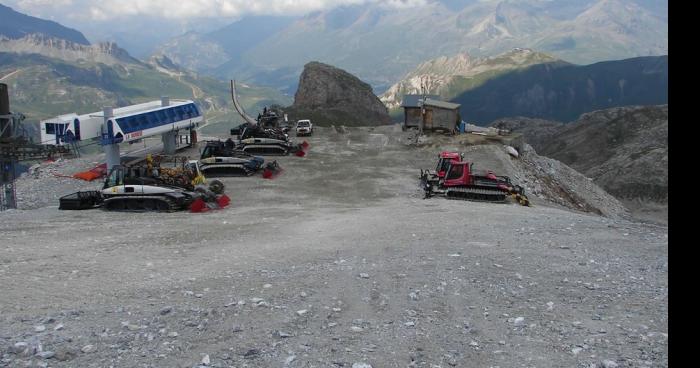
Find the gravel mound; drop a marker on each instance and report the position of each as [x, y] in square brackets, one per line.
[44, 183]
[546, 181]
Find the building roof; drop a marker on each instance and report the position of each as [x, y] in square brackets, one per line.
[441, 104]
[415, 100]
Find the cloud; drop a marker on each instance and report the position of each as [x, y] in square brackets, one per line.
[100, 10]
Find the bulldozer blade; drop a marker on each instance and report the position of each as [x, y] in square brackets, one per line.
[223, 200]
[271, 174]
[305, 145]
[198, 205]
[300, 153]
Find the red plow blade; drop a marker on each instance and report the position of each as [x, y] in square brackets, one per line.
[198, 205]
[272, 170]
[223, 200]
[302, 148]
[270, 173]
[97, 172]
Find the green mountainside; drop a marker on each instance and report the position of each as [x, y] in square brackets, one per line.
[42, 87]
[449, 77]
[561, 91]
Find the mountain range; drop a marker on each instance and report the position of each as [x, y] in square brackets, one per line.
[49, 75]
[16, 25]
[448, 77]
[60, 71]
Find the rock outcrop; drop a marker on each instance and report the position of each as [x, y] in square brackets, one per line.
[329, 95]
[623, 149]
[106, 53]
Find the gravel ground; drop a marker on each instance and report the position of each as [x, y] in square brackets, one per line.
[338, 262]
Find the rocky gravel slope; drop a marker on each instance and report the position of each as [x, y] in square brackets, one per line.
[355, 270]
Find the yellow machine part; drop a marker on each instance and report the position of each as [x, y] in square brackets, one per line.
[199, 179]
[521, 199]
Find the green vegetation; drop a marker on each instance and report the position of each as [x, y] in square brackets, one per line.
[42, 87]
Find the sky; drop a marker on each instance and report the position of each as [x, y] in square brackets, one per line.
[104, 10]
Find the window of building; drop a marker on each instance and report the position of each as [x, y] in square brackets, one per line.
[141, 119]
[171, 115]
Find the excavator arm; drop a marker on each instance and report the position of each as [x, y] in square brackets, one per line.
[238, 106]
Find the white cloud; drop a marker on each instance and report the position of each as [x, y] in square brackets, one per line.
[99, 10]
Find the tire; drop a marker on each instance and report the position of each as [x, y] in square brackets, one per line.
[216, 186]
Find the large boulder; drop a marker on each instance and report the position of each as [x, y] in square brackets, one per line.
[328, 95]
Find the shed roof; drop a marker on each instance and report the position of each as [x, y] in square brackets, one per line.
[441, 104]
[415, 100]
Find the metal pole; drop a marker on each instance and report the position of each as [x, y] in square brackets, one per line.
[111, 150]
[4, 110]
[169, 138]
[7, 164]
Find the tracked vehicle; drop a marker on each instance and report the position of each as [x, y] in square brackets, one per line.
[445, 158]
[223, 159]
[461, 181]
[263, 136]
[151, 188]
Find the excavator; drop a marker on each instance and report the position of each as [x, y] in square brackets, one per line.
[457, 179]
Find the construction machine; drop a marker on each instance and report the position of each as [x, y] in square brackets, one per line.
[462, 181]
[151, 187]
[263, 136]
[255, 139]
[223, 159]
[445, 158]
[272, 118]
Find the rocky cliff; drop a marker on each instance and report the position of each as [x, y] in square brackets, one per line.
[623, 149]
[328, 95]
[106, 53]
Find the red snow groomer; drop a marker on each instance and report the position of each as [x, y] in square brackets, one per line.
[457, 179]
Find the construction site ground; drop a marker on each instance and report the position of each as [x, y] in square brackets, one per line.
[337, 262]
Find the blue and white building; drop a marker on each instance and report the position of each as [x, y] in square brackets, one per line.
[124, 124]
[127, 124]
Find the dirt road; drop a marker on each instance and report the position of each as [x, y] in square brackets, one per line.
[338, 262]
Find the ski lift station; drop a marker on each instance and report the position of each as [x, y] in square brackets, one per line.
[113, 126]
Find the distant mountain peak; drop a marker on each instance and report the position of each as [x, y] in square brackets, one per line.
[438, 76]
[15, 25]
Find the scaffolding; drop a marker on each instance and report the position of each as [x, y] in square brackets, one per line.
[16, 147]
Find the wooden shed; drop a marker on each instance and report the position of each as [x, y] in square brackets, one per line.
[429, 113]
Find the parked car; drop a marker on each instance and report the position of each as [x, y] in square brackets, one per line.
[304, 127]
